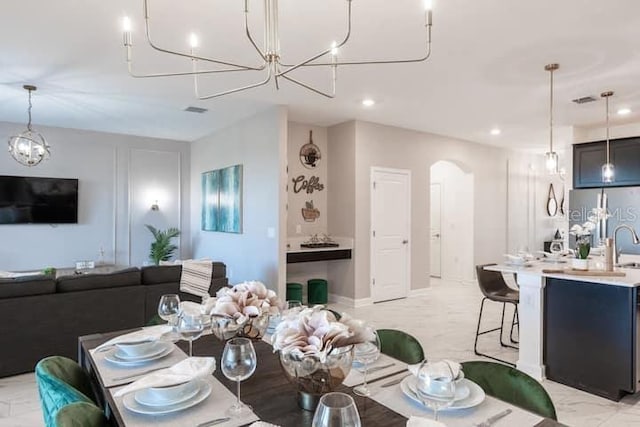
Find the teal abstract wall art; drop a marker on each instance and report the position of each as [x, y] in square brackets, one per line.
[222, 200]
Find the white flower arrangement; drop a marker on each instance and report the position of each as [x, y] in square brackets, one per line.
[596, 214]
[315, 332]
[243, 301]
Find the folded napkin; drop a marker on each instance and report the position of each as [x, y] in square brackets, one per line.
[187, 370]
[151, 333]
[443, 368]
[423, 422]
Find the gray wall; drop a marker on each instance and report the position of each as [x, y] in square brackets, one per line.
[119, 175]
[259, 144]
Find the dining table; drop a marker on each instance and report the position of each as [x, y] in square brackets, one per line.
[271, 396]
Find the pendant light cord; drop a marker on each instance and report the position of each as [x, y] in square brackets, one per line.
[29, 110]
[551, 112]
[607, 107]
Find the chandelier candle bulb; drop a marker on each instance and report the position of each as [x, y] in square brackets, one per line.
[193, 41]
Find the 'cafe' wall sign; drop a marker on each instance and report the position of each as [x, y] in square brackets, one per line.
[310, 185]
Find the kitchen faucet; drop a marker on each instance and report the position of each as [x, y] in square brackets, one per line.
[616, 252]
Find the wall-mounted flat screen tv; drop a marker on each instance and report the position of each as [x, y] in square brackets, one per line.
[32, 200]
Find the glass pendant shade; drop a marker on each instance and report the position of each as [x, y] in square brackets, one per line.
[608, 173]
[551, 162]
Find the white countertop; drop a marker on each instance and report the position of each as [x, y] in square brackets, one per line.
[631, 280]
[293, 245]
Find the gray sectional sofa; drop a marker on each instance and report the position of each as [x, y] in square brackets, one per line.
[42, 316]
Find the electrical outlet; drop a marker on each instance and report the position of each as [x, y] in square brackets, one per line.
[298, 229]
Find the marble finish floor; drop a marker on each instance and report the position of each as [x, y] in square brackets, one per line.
[443, 319]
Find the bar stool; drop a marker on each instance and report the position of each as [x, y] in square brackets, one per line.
[494, 288]
[294, 291]
[317, 291]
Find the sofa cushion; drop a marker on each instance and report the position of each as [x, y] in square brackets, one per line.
[87, 282]
[26, 286]
[155, 274]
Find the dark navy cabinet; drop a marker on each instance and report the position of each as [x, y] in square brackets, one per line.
[588, 160]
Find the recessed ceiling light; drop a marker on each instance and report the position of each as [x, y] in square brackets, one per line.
[624, 111]
[495, 131]
[368, 102]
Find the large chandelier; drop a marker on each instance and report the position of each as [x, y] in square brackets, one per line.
[29, 148]
[271, 63]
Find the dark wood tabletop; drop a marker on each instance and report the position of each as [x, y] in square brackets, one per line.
[271, 396]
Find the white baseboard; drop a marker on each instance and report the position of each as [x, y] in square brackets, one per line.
[350, 302]
[419, 292]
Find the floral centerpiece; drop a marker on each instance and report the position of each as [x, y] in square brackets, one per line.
[242, 310]
[583, 237]
[316, 350]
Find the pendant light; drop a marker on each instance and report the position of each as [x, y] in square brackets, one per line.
[608, 171]
[551, 157]
[29, 148]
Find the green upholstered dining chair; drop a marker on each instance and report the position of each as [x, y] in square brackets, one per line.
[80, 414]
[400, 345]
[61, 381]
[510, 385]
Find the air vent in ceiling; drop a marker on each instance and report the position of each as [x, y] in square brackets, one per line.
[196, 110]
[584, 100]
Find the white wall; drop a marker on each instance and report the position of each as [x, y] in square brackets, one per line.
[110, 214]
[456, 220]
[259, 144]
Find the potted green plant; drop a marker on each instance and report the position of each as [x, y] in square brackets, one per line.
[162, 249]
[583, 244]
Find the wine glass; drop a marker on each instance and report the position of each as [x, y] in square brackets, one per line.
[238, 363]
[436, 389]
[190, 327]
[336, 410]
[367, 352]
[169, 308]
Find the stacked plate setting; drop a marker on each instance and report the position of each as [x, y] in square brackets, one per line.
[468, 393]
[138, 353]
[165, 400]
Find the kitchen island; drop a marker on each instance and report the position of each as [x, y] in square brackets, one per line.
[579, 330]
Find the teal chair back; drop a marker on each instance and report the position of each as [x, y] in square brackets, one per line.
[80, 414]
[61, 381]
[511, 385]
[400, 345]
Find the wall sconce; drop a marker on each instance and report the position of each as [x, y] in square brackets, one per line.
[154, 206]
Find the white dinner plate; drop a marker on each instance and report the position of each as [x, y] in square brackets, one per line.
[474, 397]
[129, 402]
[111, 357]
[154, 397]
[156, 349]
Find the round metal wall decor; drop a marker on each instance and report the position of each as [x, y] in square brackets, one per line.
[310, 153]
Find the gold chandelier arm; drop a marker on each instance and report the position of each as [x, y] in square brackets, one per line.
[321, 54]
[423, 58]
[312, 89]
[228, 92]
[185, 54]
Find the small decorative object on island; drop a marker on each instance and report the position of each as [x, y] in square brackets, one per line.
[49, 271]
[583, 240]
[242, 310]
[162, 249]
[316, 350]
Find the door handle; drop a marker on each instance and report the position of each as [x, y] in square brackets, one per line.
[404, 242]
[437, 235]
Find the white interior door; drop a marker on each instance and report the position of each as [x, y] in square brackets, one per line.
[390, 231]
[436, 230]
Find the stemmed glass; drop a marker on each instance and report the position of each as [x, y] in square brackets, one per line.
[366, 353]
[190, 327]
[238, 363]
[169, 308]
[336, 410]
[436, 389]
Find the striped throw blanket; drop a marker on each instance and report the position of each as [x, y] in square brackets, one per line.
[196, 277]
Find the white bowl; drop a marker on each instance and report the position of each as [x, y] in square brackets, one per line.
[137, 349]
[172, 393]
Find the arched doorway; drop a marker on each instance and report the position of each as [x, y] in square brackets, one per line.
[451, 222]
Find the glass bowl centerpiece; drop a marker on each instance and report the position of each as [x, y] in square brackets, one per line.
[242, 310]
[316, 350]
